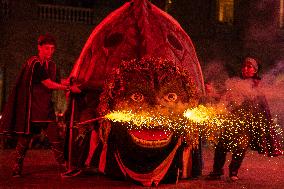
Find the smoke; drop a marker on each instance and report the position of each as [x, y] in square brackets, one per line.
[236, 89]
[273, 88]
[215, 72]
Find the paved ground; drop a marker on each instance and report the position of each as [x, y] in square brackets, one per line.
[41, 171]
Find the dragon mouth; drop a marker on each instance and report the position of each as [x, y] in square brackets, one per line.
[151, 138]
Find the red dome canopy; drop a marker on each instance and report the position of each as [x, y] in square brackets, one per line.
[135, 30]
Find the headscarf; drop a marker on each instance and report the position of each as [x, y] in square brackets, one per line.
[253, 62]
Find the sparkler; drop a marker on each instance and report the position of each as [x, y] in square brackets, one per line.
[207, 122]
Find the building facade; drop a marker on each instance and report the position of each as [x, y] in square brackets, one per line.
[221, 30]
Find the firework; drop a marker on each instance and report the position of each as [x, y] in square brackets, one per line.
[237, 127]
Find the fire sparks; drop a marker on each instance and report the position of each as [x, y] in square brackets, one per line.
[199, 114]
[140, 120]
[129, 117]
[194, 120]
[205, 122]
[202, 114]
[120, 116]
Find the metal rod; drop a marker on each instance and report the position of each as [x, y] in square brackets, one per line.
[90, 120]
[71, 133]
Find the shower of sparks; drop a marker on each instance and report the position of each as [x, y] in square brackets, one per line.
[141, 120]
[137, 120]
[201, 120]
[120, 116]
[199, 114]
[237, 128]
[206, 115]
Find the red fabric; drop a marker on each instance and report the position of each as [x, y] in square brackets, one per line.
[152, 134]
[137, 29]
[155, 176]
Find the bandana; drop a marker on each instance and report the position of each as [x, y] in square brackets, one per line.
[253, 62]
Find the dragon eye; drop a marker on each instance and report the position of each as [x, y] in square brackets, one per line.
[171, 97]
[138, 97]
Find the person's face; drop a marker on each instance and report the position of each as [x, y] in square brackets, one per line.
[248, 71]
[46, 51]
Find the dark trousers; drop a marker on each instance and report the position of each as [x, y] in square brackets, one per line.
[220, 159]
[56, 142]
[81, 145]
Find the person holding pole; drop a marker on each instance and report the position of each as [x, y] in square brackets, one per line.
[83, 111]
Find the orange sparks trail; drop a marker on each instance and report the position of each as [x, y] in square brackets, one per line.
[208, 122]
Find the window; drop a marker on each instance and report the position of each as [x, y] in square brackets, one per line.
[5, 9]
[225, 10]
[168, 5]
[1, 88]
[281, 14]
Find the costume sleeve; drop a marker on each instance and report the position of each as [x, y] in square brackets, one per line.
[39, 73]
[58, 76]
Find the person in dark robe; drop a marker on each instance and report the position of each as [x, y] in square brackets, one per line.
[86, 140]
[258, 131]
[30, 108]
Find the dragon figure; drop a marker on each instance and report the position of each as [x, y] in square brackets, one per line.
[144, 64]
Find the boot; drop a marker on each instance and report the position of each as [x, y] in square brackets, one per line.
[21, 150]
[17, 169]
[219, 162]
[58, 152]
[237, 159]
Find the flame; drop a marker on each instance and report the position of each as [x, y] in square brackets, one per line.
[120, 116]
[205, 122]
[124, 116]
[199, 114]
